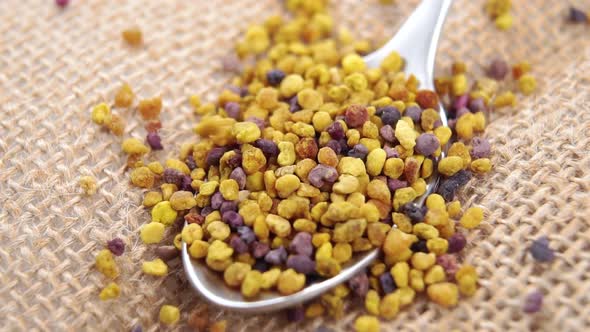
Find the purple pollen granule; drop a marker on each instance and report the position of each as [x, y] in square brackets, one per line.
[173, 176]
[481, 148]
[154, 141]
[275, 77]
[358, 151]
[577, 16]
[301, 244]
[238, 244]
[457, 242]
[387, 283]
[301, 264]
[533, 302]
[296, 314]
[426, 144]
[414, 113]
[214, 155]
[541, 251]
[460, 102]
[336, 130]
[294, 105]
[498, 69]
[390, 115]
[276, 256]
[116, 246]
[232, 109]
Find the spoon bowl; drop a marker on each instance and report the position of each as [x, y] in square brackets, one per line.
[416, 42]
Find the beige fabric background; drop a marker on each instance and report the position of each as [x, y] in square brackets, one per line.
[55, 64]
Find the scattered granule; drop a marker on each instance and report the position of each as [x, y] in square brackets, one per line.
[498, 69]
[472, 217]
[101, 114]
[577, 16]
[467, 278]
[150, 108]
[106, 265]
[62, 3]
[504, 21]
[445, 294]
[167, 253]
[133, 146]
[541, 251]
[116, 246]
[520, 69]
[111, 291]
[219, 326]
[505, 99]
[366, 324]
[533, 302]
[231, 63]
[152, 232]
[157, 267]
[499, 11]
[456, 243]
[169, 314]
[124, 97]
[154, 141]
[199, 318]
[296, 314]
[133, 36]
[142, 177]
[117, 125]
[88, 184]
[527, 84]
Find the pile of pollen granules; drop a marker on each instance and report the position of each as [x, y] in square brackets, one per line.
[310, 157]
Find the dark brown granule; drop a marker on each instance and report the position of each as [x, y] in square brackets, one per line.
[456, 242]
[498, 69]
[153, 126]
[359, 285]
[116, 246]
[199, 318]
[355, 116]
[427, 99]
[132, 160]
[167, 253]
[307, 148]
[194, 218]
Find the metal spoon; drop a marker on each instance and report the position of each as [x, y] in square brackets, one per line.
[416, 42]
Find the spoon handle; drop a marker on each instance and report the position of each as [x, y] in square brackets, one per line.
[416, 41]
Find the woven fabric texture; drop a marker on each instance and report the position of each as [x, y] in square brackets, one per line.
[55, 64]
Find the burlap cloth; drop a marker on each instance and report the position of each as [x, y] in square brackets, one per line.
[55, 64]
